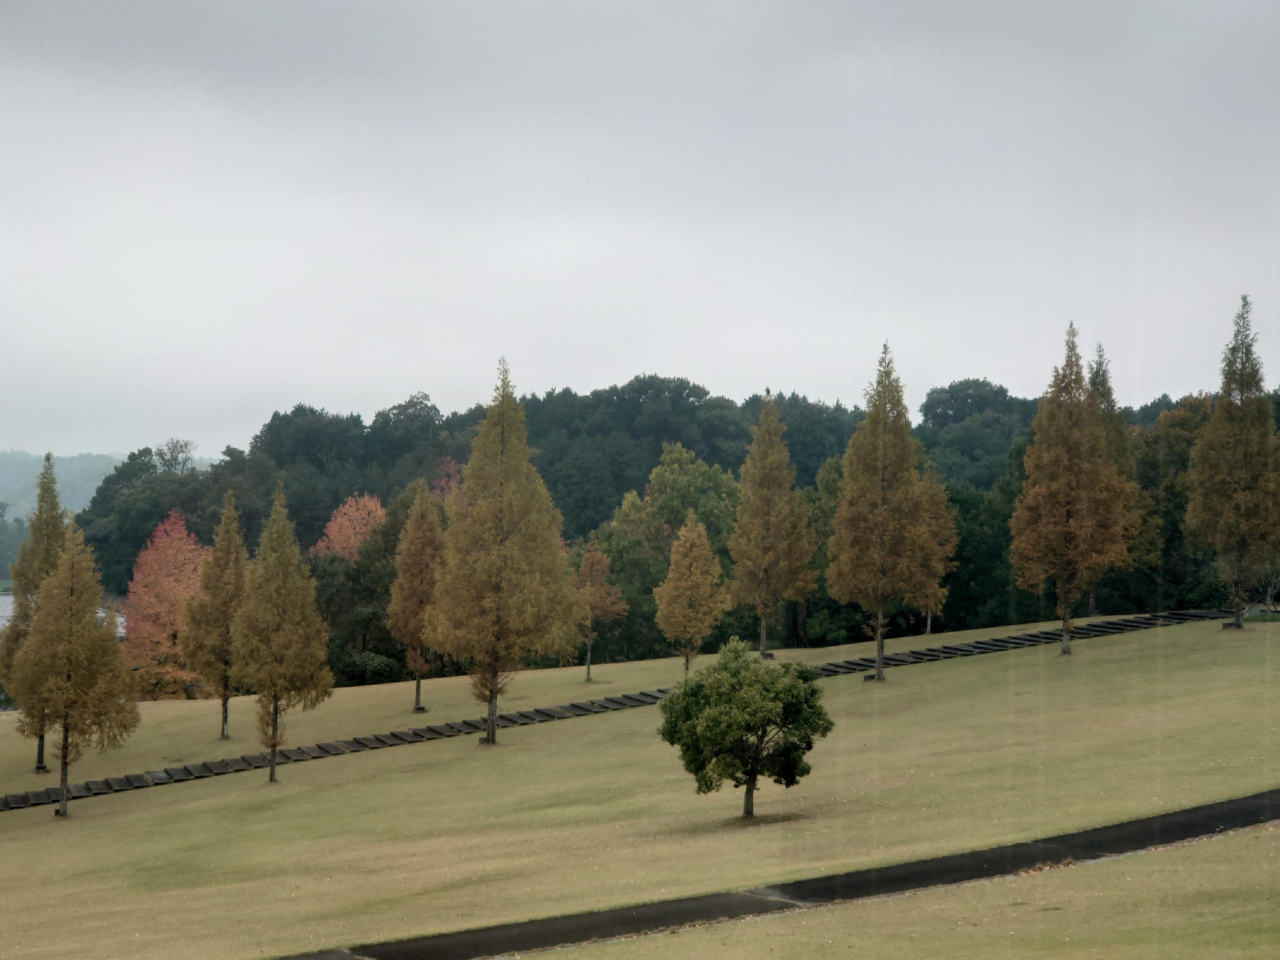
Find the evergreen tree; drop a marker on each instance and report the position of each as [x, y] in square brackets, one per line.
[1070, 520]
[418, 560]
[603, 600]
[278, 643]
[1119, 446]
[1235, 491]
[690, 600]
[212, 610]
[771, 544]
[892, 538]
[69, 672]
[742, 719]
[504, 592]
[37, 558]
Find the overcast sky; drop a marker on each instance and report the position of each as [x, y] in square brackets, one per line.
[211, 211]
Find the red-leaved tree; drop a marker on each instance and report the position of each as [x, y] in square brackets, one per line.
[165, 574]
[350, 526]
[448, 478]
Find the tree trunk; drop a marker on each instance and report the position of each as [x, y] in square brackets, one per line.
[491, 723]
[749, 799]
[686, 664]
[1093, 600]
[40, 767]
[225, 735]
[275, 734]
[589, 642]
[762, 635]
[1239, 611]
[880, 640]
[62, 803]
[928, 622]
[417, 696]
[1066, 636]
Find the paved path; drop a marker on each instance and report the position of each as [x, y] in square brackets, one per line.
[1109, 841]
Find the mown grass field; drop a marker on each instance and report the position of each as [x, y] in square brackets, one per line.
[1214, 899]
[597, 812]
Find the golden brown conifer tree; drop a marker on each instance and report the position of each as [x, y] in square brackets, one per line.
[603, 600]
[69, 673]
[504, 591]
[278, 640]
[37, 558]
[691, 599]
[1070, 521]
[419, 557]
[212, 610]
[771, 543]
[892, 537]
[1235, 491]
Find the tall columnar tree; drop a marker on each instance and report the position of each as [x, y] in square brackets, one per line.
[1070, 521]
[350, 526]
[744, 718]
[165, 575]
[69, 673]
[1119, 445]
[771, 543]
[419, 557]
[278, 640]
[892, 537]
[603, 600]
[504, 591]
[691, 599]
[37, 558]
[212, 609]
[1235, 491]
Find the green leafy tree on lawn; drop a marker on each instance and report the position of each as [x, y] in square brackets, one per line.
[744, 718]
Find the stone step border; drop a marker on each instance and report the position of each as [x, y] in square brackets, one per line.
[1100, 628]
[567, 711]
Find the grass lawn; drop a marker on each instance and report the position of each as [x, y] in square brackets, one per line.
[1215, 898]
[597, 812]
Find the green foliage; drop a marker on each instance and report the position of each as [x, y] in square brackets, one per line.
[78, 477]
[967, 429]
[744, 718]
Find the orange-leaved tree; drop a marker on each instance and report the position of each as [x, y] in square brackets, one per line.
[350, 526]
[1071, 519]
[504, 591]
[771, 543]
[419, 557]
[891, 536]
[603, 600]
[691, 600]
[165, 575]
[1235, 487]
[212, 609]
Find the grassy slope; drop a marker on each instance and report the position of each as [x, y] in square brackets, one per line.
[1214, 899]
[597, 812]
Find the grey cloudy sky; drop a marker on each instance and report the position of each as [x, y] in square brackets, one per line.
[212, 210]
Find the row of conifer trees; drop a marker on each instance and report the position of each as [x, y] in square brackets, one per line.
[482, 574]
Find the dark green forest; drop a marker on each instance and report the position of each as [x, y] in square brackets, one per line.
[627, 462]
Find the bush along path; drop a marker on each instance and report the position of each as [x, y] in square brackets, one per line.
[626, 701]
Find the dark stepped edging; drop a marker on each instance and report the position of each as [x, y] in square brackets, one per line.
[566, 711]
[1101, 628]
[1096, 844]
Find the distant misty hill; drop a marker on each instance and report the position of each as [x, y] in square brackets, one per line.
[78, 476]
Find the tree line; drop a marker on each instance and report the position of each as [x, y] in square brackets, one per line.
[479, 578]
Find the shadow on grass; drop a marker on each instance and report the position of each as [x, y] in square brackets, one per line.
[759, 821]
